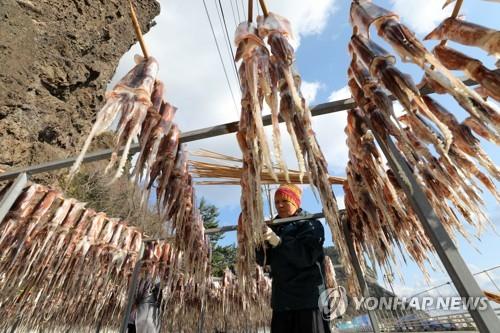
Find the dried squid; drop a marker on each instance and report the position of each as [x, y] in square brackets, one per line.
[131, 97]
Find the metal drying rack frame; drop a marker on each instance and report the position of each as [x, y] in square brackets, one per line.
[445, 248]
[447, 251]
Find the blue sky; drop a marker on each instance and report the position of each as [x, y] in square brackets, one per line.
[191, 70]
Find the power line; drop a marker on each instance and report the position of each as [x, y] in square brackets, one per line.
[244, 10]
[238, 10]
[229, 43]
[220, 56]
[234, 16]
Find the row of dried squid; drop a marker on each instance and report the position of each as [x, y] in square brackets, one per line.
[442, 152]
[267, 75]
[224, 307]
[138, 104]
[161, 163]
[64, 263]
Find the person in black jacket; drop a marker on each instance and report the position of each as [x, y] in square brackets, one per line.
[295, 253]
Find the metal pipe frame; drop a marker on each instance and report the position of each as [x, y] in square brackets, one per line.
[132, 290]
[12, 194]
[359, 273]
[462, 278]
[228, 228]
[269, 222]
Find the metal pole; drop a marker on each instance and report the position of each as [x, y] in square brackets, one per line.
[464, 281]
[12, 194]
[359, 273]
[201, 322]
[132, 289]
[270, 222]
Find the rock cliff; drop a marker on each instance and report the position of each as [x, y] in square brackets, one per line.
[56, 59]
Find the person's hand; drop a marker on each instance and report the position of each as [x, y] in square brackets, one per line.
[271, 237]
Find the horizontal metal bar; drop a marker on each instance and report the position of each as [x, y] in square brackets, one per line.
[11, 195]
[199, 134]
[268, 222]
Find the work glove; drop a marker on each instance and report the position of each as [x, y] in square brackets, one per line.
[271, 237]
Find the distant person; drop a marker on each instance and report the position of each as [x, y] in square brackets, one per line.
[295, 253]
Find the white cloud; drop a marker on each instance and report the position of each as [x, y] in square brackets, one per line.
[421, 16]
[306, 17]
[310, 90]
[339, 94]
[329, 131]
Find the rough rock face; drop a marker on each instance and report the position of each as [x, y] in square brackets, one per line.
[56, 58]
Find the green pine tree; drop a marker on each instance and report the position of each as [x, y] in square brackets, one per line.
[222, 256]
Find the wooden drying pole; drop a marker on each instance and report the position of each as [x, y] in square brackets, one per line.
[250, 11]
[263, 6]
[454, 14]
[137, 268]
[138, 32]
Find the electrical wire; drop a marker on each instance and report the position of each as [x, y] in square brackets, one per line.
[244, 10]
[220, 56]
[229, 43]
[234, 16]
[238, 11]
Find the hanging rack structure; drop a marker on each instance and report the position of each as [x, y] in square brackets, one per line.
[448, 253]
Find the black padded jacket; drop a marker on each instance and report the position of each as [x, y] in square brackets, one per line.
[296, 264]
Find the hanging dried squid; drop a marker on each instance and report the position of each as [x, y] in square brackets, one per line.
[131, 98]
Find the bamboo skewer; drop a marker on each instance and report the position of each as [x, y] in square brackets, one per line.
[263, 5]
[137, 30]
[250, 11]
[457, 8]
[454, 14]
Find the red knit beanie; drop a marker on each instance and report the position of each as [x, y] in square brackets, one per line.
[290, 192]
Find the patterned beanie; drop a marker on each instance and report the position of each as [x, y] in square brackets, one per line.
[290, 192]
